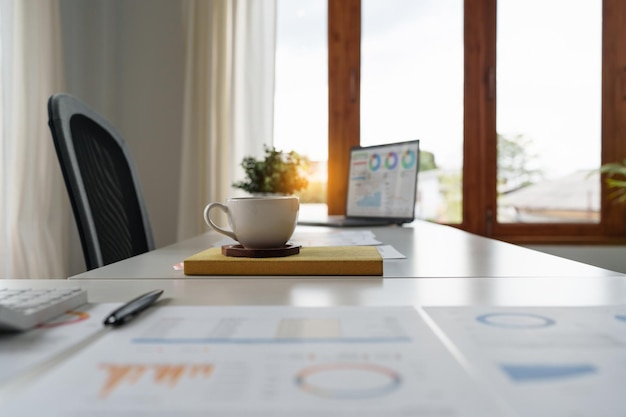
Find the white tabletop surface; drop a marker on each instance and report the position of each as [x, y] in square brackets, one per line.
[331, 291]
[431, 250]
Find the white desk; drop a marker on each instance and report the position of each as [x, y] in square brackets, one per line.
[312, 292]
[329, 292]
[452, 268]
[321, 292]
[431, 250]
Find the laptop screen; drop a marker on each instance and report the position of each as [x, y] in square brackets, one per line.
[382, 182]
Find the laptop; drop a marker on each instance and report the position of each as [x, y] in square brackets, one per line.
[382, 187]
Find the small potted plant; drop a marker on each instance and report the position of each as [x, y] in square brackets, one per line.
[281, 173]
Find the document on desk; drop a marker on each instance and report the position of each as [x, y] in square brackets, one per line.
[22, 351]
[263, 361]
[325, 238]
[336, 238]
[545, 361]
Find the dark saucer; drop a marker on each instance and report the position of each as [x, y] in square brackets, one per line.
[239, 251]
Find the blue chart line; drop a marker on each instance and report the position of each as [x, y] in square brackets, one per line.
[515, 320]
[621, 317]
[265, 341]
[535, 373]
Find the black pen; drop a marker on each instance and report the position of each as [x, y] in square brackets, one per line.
[131, 309]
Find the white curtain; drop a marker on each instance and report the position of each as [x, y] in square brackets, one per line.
[229, 95]
[34, 212]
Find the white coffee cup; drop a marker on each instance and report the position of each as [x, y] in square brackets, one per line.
[257, 222]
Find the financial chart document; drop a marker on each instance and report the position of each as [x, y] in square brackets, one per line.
[545, 361]
[263, 361]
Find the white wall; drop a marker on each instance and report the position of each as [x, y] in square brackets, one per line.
[125, 59]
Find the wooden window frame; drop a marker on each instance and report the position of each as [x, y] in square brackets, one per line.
[344, 100]
[480, 138]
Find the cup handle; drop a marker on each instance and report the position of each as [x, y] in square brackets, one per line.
[209, 221]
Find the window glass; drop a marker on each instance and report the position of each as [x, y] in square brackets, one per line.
[412, 88]
[301, 88]
[549, 110]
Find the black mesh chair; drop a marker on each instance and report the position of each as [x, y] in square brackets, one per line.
[101, 181]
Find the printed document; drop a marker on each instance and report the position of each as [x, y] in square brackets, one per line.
[263, 361]
[544, 361]
[22, 351]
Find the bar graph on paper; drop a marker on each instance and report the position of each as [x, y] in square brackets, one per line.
[122, 376]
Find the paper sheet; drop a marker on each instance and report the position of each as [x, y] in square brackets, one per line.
[326, 238]
[545, 362]
[334, 238]
[22, 351]
[262, 361]
[389, 252]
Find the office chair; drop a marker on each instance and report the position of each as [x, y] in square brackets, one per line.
[101, 181]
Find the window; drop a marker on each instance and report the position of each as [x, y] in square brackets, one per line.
[584, 56]
[301, 98]
[301, 89]
[548, 111]
[414, 90]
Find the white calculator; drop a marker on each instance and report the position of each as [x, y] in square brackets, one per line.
[23, 309]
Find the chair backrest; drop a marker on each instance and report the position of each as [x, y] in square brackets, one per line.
[101, 181]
